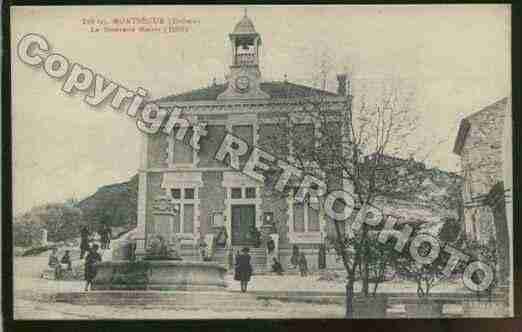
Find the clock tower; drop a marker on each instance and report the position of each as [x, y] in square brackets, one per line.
[245, 77]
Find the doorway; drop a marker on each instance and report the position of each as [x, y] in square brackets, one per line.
[243, 220]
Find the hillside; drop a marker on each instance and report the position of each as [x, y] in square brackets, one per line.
[115, 204]
[426, 195]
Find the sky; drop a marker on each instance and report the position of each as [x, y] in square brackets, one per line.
[456, 57]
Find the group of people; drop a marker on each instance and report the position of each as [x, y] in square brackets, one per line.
[59, 266]
[243, 267]
[105, 233]
[91, 259]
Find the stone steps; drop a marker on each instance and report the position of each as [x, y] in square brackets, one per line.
[258, 257]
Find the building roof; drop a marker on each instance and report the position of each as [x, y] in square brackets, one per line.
[275, 89]
[465, 124]
[244, 27]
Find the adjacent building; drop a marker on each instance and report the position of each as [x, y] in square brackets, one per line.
[479, 144]
[484, 145]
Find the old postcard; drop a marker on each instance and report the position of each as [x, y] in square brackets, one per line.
[211, 162]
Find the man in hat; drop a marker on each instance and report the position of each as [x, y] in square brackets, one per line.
[243, 269]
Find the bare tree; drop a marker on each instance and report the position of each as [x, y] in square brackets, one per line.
[361, 142]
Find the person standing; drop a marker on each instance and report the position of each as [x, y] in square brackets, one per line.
[276, 267]
[243, 269]
[294, 260]
[55, 264]
[321, 260]
[108, 235]
[202, 248]
[103, 239]
[84, 241]
[66, 260]
[303, 265]
[132, 245]
[93, 257]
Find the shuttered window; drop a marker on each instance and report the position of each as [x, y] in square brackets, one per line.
[209, 145]
[176, 226]
[313, 220]
[183, 153]
[299, 222]
[246, 133]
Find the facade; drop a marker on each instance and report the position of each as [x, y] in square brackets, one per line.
[479, 143]
[188, 192]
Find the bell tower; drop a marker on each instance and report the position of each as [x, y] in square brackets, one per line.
[244, 77]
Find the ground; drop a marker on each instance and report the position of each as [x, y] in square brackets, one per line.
[32, 298]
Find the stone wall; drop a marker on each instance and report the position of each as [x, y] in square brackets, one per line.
[481, 158]
[482, 151]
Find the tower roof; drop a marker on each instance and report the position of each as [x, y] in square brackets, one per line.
[244, 27]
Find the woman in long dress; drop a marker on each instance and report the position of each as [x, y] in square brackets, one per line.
[92, 258]
[243, 269]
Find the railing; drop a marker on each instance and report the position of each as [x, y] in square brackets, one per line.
[245, 59]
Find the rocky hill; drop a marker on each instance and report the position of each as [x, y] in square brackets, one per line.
[115, 204]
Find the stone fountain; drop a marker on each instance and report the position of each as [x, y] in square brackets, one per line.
[162, 268]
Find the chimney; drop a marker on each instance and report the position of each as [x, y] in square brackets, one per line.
[341, 84]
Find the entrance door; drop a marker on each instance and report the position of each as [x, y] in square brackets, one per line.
[243, 219]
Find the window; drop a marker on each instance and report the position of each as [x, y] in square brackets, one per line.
[299, 221]
[183, 153]
[250, 192]
[183, 217]
[236, 193]
[246, 133]
[303, 140]
[209, 144]
[176, 225]
[313, 220]
[189, 193]
[176, 193]
[188, 218]
[273, 139]
[306, 218]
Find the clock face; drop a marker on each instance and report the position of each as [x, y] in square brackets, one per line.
[242, 83]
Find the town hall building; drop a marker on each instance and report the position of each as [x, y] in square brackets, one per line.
[188, 192]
